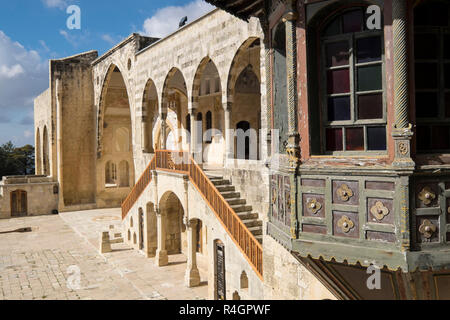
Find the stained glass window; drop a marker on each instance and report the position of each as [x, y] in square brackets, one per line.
[353, 65]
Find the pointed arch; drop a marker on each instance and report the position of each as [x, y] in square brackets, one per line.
[113, 68]
[38, 157]
[150, 112]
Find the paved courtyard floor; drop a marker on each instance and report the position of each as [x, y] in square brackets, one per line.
[44, 264]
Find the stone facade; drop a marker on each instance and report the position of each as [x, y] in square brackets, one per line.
[105, 117]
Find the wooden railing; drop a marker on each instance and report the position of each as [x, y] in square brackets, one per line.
[140, 186]
[181, 162]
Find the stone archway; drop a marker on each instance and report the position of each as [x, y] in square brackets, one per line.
[38, 164]
[150, 113]
[172, 210]
[115, 141]
[244, 90]
[207, 101]
[174, 108]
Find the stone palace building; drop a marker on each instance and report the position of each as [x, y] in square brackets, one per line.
[296, 146]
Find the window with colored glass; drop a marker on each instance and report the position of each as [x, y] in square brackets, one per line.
[354, 112]
[432, 73]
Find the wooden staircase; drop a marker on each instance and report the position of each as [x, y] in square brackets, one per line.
[239, 205]
[232, 211]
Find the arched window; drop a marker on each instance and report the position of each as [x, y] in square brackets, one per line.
[243, 146]
[45, 154]
[352, 102]
[188, 123]
[124, 170]
[432, 73]
[110, 173]
[208, 127]
[38, 153]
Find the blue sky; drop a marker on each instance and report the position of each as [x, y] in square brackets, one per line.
[33, 31]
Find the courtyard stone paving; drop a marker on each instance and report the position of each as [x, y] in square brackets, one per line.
[43, 264]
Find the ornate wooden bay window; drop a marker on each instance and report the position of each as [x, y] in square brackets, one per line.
[351, 108]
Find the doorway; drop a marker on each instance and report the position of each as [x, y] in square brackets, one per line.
[19, 205]
[220, 271]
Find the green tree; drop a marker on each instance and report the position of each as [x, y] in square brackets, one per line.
[16, 161]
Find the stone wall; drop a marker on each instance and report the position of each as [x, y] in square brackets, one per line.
[75, 134]
[286, 279]
[42, 195]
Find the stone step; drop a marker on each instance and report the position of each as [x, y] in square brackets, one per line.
[259, 239]
[226, 188]
[256, 231]
[252, 223]
[236, 201]
[241, 208]
[221, 182]
[231, 195]
[247, 215]
[214, 178]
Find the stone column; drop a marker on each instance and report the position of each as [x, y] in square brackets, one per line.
[290, 19]
[293, 148]
[192, 277]
[268, 66]
[402, 132]
[229, 133]
[161, 258]
[194, 139]
[163, 131]
[145, 137]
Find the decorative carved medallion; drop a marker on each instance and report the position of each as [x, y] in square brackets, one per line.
[379, 211]
[314, 206]
[427, 196]
[427, 229]
[346, 224]
[344, 192]
[403, 148]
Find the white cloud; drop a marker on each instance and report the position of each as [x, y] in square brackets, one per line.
[11, 72]
[23, 76]
[60, 4]
[166, 20]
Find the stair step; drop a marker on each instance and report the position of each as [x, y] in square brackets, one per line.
[231, 195]
[259, 239]
[241, 208]
[221, 182]
[226, 188]
[214, 178]
[252, 223]
[236, 201]
[247, 215]
[256, 231]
